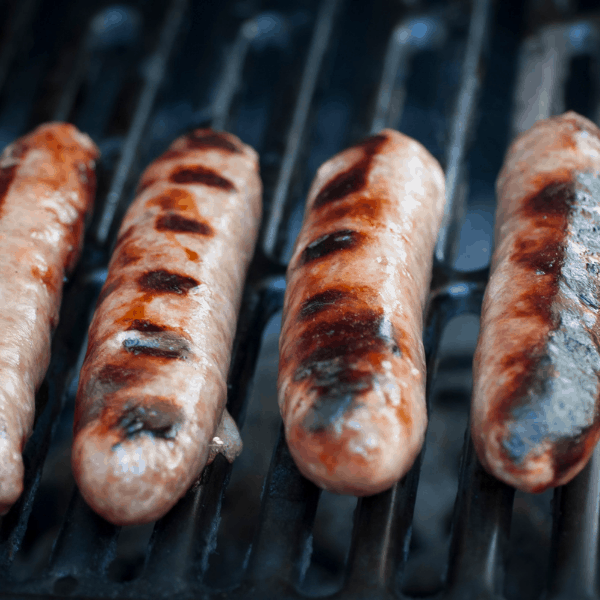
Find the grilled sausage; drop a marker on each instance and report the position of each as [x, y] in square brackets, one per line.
[152, 389]
[535, 416]
[47, 186]
[352, 368]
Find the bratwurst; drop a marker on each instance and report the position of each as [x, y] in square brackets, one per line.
[153, 386]
[352, 367]
[534, 416]
[47, 187]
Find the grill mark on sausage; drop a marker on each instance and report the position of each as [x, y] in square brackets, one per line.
[320, 302]
[146, 326]
[353, 179]
[166, 282]
[197, 174]
[329, 355]
[8, 173]
[542, 254]
[173, 199]
[165, 344]
[344, 239]
[156, 417]
[179, 224]
[207, 139]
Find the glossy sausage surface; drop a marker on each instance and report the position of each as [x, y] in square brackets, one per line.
[153, 387]
[535, 413]
[47, 187]
[352, 367]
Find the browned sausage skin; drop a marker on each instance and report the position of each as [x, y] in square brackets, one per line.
[352, 368]
[47, 187]
[535, 417]
[152, 390]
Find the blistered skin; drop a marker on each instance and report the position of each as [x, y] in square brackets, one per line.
[352, 368]
[152, 389]
[535, 418]
[47, 186]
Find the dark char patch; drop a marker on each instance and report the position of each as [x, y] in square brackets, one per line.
[145, 326]
[207, 139]
[353, 179]
[162, 281]
[179, 224]
[331, 351]
[166, 344]
[154, 417]
[345, 239]
[319, 302]
[202, 175]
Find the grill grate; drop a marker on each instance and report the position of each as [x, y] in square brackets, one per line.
[299, 81]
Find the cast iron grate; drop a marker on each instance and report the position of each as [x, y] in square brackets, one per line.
[299, 81]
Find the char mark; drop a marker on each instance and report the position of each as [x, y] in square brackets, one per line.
[201, 175]
[155, 417]
[331, 356]
[320, 302]
[207, 139]
[179, 224]
[345, 239]
[145, 326]
[353, 179]
[162, 281]
[165, 344]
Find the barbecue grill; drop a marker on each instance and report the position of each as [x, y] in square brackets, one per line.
[299, 80]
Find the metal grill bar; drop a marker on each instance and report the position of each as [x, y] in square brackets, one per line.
[155, 72]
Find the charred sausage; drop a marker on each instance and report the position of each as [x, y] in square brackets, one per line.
[152, 389]
[535, 417]
[352, 368]
[47, 187]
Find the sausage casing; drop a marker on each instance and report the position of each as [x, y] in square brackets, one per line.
[153, 388]
[47, 187]
[352, 368]
[534, 417]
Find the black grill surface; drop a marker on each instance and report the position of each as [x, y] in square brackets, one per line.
[300, 80]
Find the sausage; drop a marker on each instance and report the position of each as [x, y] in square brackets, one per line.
[352, 368]
[534, 415]
[152, 389]
[47, 187]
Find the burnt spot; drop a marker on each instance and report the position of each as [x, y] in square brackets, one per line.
[155, 417]
[332, 357]
[9, 172]
[173, 199]
[101, 386]
[127, 255]
[320, 302]
[542, 251]
[207, 139]
[201, 175]
[344, 239]
[165, 344]
[145, 326]
[178, 224]
[166, 282]
[353, 179]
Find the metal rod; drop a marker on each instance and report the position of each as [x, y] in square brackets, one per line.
[447, 244]
[574, 561]
[154, 78]
[316, 53]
